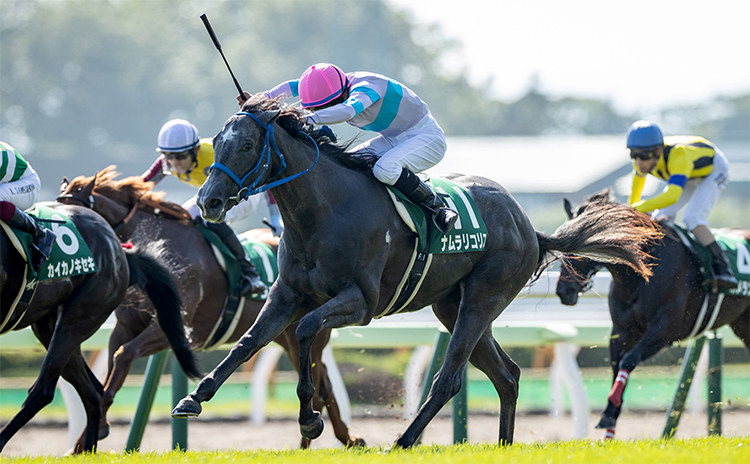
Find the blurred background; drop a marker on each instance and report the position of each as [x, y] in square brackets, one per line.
[537, 96]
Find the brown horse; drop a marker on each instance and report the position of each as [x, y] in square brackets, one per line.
[141, 215]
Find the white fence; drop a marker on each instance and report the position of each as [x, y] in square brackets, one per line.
[534, 318]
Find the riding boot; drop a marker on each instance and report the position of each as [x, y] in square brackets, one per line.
[43, 239]
[421, 194]
[721, 271]
[250, 281]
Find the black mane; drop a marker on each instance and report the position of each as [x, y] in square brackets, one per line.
[292, 120]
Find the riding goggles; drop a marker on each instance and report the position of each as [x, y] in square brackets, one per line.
[643, 155]
[179, 156]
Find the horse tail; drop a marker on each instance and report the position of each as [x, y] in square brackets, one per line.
[149, 274]
[605, 232]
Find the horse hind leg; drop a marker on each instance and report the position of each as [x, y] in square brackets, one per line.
[504, 374]
[325, 396]
[80, 377]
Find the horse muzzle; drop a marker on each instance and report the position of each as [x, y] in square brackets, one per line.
[213, 207]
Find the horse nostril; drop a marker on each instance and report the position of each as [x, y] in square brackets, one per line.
[214, 203]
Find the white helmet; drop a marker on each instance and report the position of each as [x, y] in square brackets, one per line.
[177, 135]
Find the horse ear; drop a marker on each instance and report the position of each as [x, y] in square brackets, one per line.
[64, 185]
[89, 188]
[568, 208]
[267, 117]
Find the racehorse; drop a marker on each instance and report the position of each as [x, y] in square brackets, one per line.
[139, 214]
[65, 312]
[648, 316]
[345, 248]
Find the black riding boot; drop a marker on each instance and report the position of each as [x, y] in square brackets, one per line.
[44, 239]
[250, 282]
[421, 194]
[720, 268]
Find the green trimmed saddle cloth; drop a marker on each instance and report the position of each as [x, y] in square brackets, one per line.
[738, 254]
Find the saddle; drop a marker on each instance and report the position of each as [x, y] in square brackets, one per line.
[735, 247]
[70, 257]
[468, 234]
[264, 260]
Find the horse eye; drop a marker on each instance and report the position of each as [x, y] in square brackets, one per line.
[246, 147]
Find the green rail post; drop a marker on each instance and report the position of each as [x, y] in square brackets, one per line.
[154, 369]
[461, 411]
[689, 363]
[715, 361]
[179, 391]
[459, 401]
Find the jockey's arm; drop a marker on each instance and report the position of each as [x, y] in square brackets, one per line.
[360, 98]
[243, 209]
[639, 180]
[158, 171]
[669, 196]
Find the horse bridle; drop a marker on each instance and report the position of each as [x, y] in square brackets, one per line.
[264, 162]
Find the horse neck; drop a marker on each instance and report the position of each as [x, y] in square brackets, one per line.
[308, 198]
[114, 211]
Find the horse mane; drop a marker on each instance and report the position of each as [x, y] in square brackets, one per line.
[292, 120]
[129, 191]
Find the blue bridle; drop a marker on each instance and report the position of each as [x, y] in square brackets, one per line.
[263, 163]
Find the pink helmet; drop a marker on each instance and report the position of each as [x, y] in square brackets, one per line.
[320, 84]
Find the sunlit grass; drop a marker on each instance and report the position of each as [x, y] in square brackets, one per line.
[700, 450]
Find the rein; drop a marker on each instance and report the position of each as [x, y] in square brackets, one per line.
[264, 162]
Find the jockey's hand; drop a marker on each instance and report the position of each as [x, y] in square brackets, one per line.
[241, 99]
[325, 130]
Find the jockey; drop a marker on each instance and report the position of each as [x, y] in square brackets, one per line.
[409, 140]
[696, 172]
[19, 189]
[186, 156]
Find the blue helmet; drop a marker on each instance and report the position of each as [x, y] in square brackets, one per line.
[644, 135]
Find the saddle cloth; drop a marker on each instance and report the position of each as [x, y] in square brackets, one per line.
[468, 234]
[737, 251]
[70, 255]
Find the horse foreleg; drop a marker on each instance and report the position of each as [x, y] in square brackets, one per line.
[275, 316]
[346, 308]
[60, 347]
[651, 343]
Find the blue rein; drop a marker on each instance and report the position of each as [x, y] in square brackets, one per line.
[263, 162]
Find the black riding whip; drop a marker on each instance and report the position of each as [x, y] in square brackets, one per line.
[218, 47]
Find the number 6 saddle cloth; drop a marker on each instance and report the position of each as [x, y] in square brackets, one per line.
[70, 257]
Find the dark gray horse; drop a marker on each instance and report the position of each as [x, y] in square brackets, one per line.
[64, 312]
[650, 315]
[344, 251]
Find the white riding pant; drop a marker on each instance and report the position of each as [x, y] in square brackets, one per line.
[238, 212]
[417, 149]
[22, 192]
[699, 195]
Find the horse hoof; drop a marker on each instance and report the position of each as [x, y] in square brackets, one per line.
[103, 430]
[187, 407]
[356, 443]
[606, 422]
[312, 430]
[401, 443]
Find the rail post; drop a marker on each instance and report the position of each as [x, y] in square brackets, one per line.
[154, 369]
[179, 391]
[715, 360]
[459, 402]
[689, 363]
